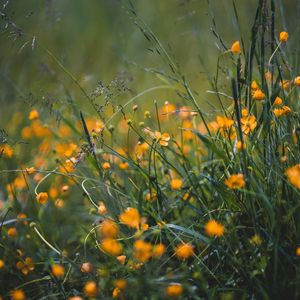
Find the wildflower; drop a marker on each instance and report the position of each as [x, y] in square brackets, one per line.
[280, 112]
[151, 196]
[120, 283]
[293, 175]
[254, 86]
[106, 165]
[116, 293]
[30, 170]
[298, 251]
[285, 84]
[12, 232]
[111, 246]
[248, 124]
[277, 101]
[90, 289]
[184, 112]
[235, 181]
[58, 270]
[130, 217]
[109, 229]
[33, 115]
[20, 218]
[158, 250]
[86, 267]
[176, 184]
[102, 208]
[256, 239]
[184, 251]
[123, 165]
[297, 81]
[2, 264]
[75, 298]
[25, 266]
[17, 295]
[121, 259]
[162, 138]
[213, 228]
[7, 151]
[259, 95]
[236, 47]
[59, 203]
[42, 197]
[283, 36]
[225, 124]
[174, 290]
[166, 110]
[142, 250]
[245, 112]
[240, 145]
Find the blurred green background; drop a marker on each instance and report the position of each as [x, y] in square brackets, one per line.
[97, 40]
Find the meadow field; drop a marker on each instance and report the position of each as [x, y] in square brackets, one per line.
[150, 149]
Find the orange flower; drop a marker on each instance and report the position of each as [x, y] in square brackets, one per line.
[109, 229]
[25, 266]
[297, 81]
[285, 84]
[142, 250]
[277, 101]
[213, 228]
[240, 145]
[116, 293]
[176, 184]
[293, 175]
[184, 251]
[162, 138]
[106, 165]
[298, 251]
[42, 197]
[120, 283]
[283, 36]
[121, 259]
[102, 208]
[174, 290]
[17, 295]
[123, 165]
[158, 250]
[248, 124]
[7, 151]
[90, 289]
[111, 246]
[58, 270]
[12, 232]
[130, 217]
[236, 47]
[30, 170]
[235, 181]
[33, 115]
[258, 95]
[254, 86]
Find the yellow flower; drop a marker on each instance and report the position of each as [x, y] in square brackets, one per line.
[33, 115]
[184, 251]
[277, 101]
[174, 290]
[162, 138]
[25, 266]
[109, 229]
[7, 151]
[2, 264]
[123, 165]
[256, 239]
[111, 246]
[58, 270]
[116, 293]
[121, 259]
[213, 228]
[236, 47]
[235, 181]
[106, 165]
[283, 36]
[280, 112]
[293, 175]
[258, 95]
[17, 295]
[30, 170]
[90, 289]
[142, 250]
[254, 86]
[297, 81]
[42, 197]
[248, 124]
[298, 251]
[176, 184]
[240, 145]
[102, 208]
[130, 217]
